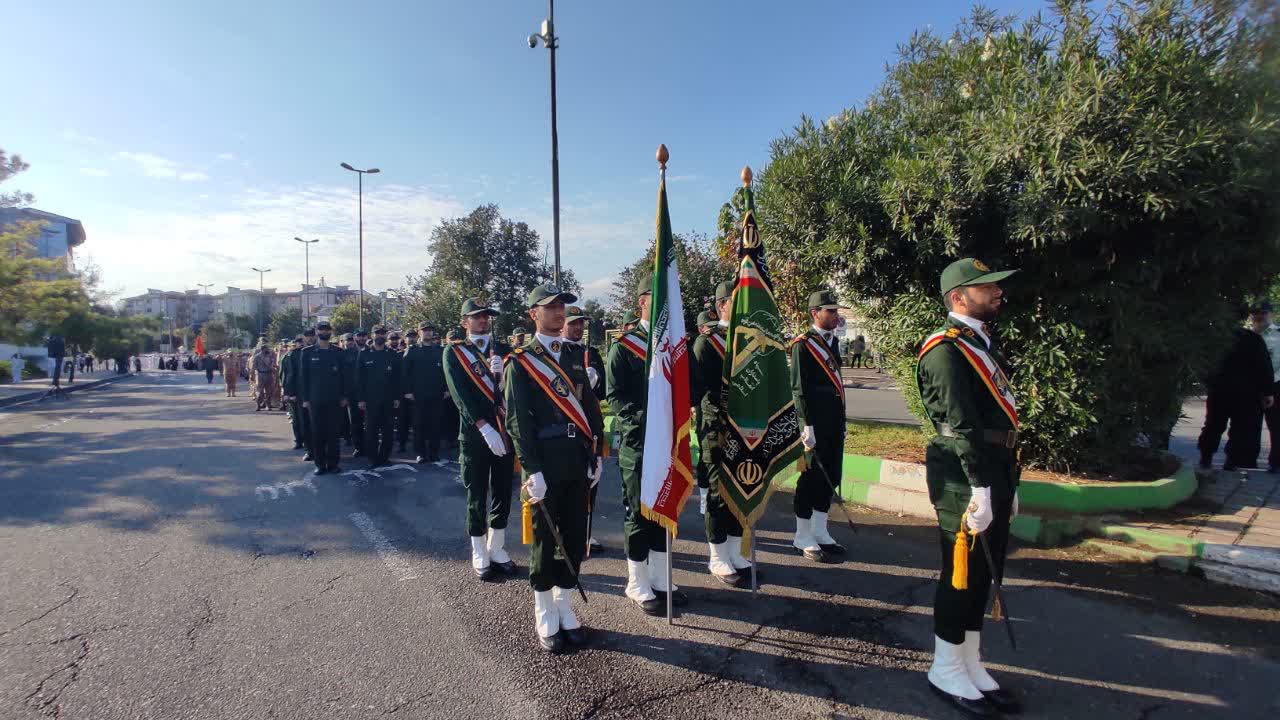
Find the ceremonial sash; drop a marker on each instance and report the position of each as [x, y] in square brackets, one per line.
[822, 354]
[717, 342]
[635, 345]
[477, 370]
[988, 369]
[551, 378]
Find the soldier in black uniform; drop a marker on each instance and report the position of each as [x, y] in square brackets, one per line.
[324, 394]
[289, 386]
[378, 374]
[425, 388]
[575, 330]
[308, 342]
[404, 416]
[355, 416]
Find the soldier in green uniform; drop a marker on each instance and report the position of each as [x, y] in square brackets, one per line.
[558, 433]
[575, 329]
[404, 416]
[324, 392]
[972, 473]
[724, 532]
[473, 372]
[378, 393]
[627, 391]
[425, 387]
[819, 393]
[289, 381]
[630, 320]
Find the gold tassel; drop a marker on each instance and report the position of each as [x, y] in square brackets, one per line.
[803, 463]
[745, 549]
[997, 610]
[526, 523]
[960, 558]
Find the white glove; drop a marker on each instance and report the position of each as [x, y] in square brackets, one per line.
[595, 474]
[593, 377]
[1014, 512]
[702, 504]
[807, 439]
[495, 364]
[980, 514]
[536, 486]
[494, 440]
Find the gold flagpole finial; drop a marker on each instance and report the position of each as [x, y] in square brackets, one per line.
[746, 176]
[663, 155]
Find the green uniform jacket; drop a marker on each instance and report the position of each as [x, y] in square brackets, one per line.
[288, 382]
[424, 373]
[472, 403]
[377, 376]
[529, 409]
[818, 403]
[627, 392]
[953, 393]
[708, 372]
[596, 361]
[324, 375]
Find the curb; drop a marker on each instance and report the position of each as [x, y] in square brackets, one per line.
[77, 387]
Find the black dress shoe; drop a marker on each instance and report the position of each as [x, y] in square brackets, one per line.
[507, 568]
[306, 457]
[678, 599]
[420, 460]
[553, 644]
[832, 548]
[654, 607]
[297, 446]
[576, 636]
[318, 472]
[356, 454]
[486, 574]
[1003, 700]
[732, 580]
[745, 575]
[817, 556]
[972, 708]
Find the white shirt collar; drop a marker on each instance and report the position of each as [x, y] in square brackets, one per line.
[547, 340]
[825, 334]
[478, 339]
[644, 326]
[974, 323]
[722, 323]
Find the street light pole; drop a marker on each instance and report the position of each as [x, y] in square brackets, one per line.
[306, 292]
[260, 272]
[549, 39]
[206, 287]
[360, 205]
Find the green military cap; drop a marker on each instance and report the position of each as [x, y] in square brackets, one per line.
[644, 286]
[425, 326]
[707, 318]
[969, 271]
[323, 325]
[574, 313]
[309, 332]
[546, 294]
[379, 329]
[724, 290]
[630, 317]
[824, 299]
[472, 307]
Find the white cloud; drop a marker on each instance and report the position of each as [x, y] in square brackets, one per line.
[152, 165]
[599, 288]
[94, 172]
[193, 177]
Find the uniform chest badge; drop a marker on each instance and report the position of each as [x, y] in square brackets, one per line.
[555, 346]
[477, 367]
[953, 333]
[537, 348]
[968, 332]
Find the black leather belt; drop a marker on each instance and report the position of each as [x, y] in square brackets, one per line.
[1003, 438]
[552, 432]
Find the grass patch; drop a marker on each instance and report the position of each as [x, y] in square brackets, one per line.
[904, 443]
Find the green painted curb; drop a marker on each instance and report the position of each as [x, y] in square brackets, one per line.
[1173, 562]
[1163, 542]
[1111, 497]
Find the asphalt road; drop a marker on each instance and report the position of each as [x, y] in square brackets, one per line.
[164, 558]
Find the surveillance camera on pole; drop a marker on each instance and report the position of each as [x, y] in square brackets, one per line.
[549, 40]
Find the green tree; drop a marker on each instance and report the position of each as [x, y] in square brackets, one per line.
[481, 255]
[701, 269]
[1128, 164]
[216, 335]
[346, 317]
[286, 324]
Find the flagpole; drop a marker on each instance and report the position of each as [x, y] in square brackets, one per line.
[663, 156]
[755, 586]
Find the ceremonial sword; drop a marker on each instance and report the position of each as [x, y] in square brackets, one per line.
[835, 493]
[996, 582]
[555, 533]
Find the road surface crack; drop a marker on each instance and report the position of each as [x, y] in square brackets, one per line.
[46, 613]
[47, 693]
[328, 586]
[204, 619]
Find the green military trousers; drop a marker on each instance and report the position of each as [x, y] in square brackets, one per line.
[641, 535]
[487, 479]
[566, 463]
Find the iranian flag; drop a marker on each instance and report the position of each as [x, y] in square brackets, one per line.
[666, 479]
[200, 344]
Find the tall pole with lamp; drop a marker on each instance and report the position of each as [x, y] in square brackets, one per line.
[360, 205]
[261, 272]
[548, 38]
[306, 292]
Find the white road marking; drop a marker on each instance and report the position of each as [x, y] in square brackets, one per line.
[390, 556]
[287, 488]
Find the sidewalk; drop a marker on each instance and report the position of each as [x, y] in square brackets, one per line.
[14, 393]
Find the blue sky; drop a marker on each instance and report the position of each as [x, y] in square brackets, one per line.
[195, 140]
